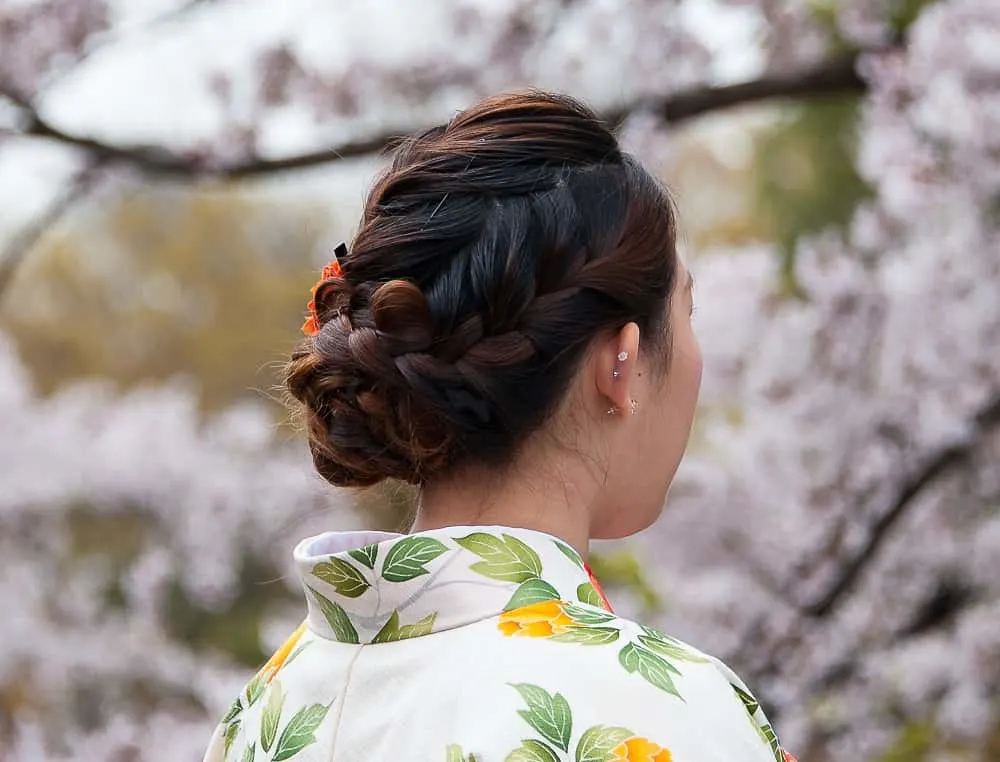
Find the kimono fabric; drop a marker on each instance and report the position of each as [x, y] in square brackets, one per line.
[475, 644]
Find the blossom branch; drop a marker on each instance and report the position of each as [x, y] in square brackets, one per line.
[763, 653]
[832, 77]
[985, 422]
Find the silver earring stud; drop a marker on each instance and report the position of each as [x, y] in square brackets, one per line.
[622, 357]
[612, 410]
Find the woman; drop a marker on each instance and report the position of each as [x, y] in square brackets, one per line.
[510, 330]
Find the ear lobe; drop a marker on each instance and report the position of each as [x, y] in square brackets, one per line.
[616, 368]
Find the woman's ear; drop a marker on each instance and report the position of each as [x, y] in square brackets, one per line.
[615, 368]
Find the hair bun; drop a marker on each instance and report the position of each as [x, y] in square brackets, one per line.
[489, 256]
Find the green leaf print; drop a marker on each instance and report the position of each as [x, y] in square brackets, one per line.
[771, 739]
[671, 650]
[342, 577]
[230, 735]
[532, 751]
[599, 743]
[300, 731]
[234, 711]
[587, 593]
[532, 591]
[571, 554]
[749, 702]
[582, 615]
[506, 559]
[684, 651]
[392, 631]
[406, 558]
[272, 716]
[249, 752]
[654, 633]
[654, 669]
[365, 555]
[763, 728]
[454, 752]
[549, 714]
[337, 618]
[588, 636]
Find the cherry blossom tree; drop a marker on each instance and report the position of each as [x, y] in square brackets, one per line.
[835, 532]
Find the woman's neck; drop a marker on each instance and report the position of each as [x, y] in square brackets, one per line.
[556, 506]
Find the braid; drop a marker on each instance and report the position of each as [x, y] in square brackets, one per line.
[490, 254]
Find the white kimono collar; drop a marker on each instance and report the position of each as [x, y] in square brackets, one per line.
[377, 587]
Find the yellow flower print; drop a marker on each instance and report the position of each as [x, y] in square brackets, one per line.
[539, 620]
[637, 749]
[281, 655]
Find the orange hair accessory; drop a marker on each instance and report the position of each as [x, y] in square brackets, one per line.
[332, 270]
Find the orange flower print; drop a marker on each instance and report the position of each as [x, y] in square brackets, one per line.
[539, 620]
[788, 757]
[637, 749]
[281, 655]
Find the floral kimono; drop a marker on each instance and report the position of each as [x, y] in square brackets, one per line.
[480, 644]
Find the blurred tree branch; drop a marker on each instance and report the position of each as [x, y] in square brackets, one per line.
[831, 77]
[985, 422]
[763, 653]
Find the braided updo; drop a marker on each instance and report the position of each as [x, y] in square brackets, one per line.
[490, 254]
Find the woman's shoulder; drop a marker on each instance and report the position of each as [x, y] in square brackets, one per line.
[575, 653]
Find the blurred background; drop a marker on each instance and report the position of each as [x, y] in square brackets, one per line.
[173, 175]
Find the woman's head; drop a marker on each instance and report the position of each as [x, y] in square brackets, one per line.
[514, 282]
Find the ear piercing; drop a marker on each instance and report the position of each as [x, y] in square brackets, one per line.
[622, 357]
[633, 405]
[633, 408]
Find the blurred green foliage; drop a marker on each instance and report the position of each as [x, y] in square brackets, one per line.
[899, 13]
[161, 283]
[902, 13]
[235, 628]
[622, 569]
[913, 744]
[923, 742]
[804, 176]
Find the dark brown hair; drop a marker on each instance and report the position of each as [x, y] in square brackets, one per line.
[490, 254]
